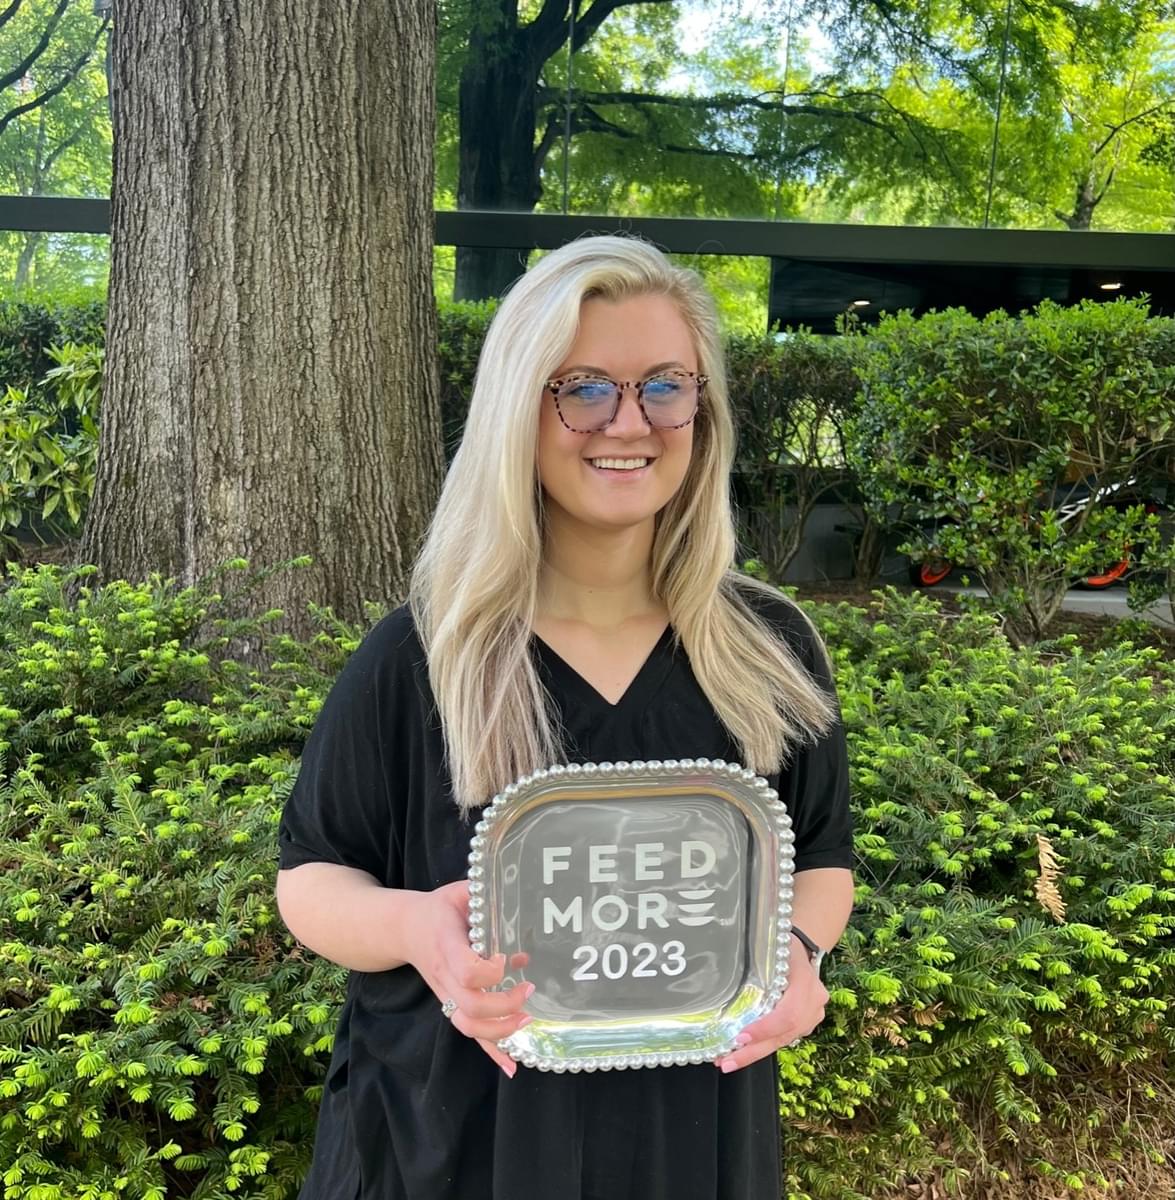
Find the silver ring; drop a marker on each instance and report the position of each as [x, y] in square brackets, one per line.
[795, 1043]
[449, 1008]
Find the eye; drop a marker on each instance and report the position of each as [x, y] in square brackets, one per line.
[664, 387]
[587, 390]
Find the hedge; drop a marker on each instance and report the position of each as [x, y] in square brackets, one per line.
[1003, 991]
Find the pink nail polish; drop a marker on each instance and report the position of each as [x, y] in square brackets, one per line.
[743, 1039]
[530, 989]
[525, 1021]
[728, 1065]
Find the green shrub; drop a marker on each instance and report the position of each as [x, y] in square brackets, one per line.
[976, 423]
[162, 1036]
[49, 446]
[463, 325]
[30, 325]
[157, 1029]
[791, 398]
[1008, 976]
[963, 423]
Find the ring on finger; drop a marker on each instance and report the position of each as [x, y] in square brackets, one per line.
[448, 1008]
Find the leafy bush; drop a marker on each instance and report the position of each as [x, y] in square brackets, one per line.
[1007, 973]
[791, 398]
[29, 326]
[976, 422]
[962, 427]
[463, 325]
[1008, 976]
[157, 1029]
[49, 446]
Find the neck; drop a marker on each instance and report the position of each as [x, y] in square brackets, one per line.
[599, 577]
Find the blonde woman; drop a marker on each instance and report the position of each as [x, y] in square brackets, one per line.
[574, 601]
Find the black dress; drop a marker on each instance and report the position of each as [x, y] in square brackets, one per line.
[414, 1110]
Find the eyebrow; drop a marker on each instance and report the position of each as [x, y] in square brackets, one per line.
[600, 370]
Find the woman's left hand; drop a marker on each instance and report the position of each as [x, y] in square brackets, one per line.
[795, 1016]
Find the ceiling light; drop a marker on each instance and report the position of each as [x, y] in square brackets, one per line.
[1110, 287]
[861, 303]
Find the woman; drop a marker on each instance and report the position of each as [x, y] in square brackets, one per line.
[574, 601]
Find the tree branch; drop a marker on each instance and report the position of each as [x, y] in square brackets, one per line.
[1117, 129]
[22, 68]
[721, 104]
[65, 144]
[61, 83]
[594, 123]
[885, 10]
[599, 11]
[586, 120]
[1105, 188]
[10, 12]
[548, 31]
[550, 137]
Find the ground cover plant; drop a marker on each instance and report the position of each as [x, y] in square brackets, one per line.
[1000, 1003]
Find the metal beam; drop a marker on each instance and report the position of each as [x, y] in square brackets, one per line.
[55, 214]
[830, 243]
[690, 235]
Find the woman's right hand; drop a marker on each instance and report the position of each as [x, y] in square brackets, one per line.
[441, 952]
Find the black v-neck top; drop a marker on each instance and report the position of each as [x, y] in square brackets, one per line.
[414, 1110]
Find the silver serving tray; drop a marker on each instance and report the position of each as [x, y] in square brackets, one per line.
[652, 901]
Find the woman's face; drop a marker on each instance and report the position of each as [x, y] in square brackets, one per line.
[625, 340]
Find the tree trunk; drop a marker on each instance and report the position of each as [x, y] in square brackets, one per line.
[271, 334]
[24, 263]
[870, 551]
[1085, 200]
[497, 167]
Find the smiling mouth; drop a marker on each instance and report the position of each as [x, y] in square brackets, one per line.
[620, 464]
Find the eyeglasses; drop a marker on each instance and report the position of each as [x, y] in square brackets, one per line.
[589, 403]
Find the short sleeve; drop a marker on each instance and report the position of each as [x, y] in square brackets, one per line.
[817, 787]
[822, 817]
[341, 808]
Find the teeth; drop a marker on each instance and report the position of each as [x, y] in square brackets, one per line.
[619, 464]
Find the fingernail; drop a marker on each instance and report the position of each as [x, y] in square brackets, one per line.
[526, 1020]
[530, 990]
[728, 1065]
[743, 1039]
[510, 1073]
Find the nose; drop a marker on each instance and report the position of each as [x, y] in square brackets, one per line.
[629, 420]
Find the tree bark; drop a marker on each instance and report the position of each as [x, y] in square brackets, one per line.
[271, 384]
[24, 263]
[1085, 200]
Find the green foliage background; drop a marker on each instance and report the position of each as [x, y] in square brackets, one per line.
[162, 1036]
[849, 110]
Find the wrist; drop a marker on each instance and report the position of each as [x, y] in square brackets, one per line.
[803, 945]
[402, 921]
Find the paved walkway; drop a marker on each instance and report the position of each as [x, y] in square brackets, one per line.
[1111, 601]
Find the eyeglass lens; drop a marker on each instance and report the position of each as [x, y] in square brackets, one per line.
[589, 403]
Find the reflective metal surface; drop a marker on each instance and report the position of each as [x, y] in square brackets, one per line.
[653, 900]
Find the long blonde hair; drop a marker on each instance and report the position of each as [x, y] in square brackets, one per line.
[473, 592]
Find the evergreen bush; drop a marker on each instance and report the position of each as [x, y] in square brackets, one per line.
[1007, 973]
[1005, 987]
[31, 324]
